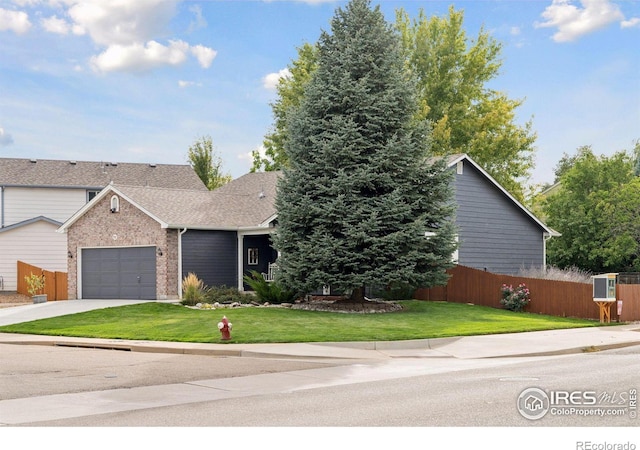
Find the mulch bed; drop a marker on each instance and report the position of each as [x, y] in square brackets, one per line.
[8, 299]
[342, 305]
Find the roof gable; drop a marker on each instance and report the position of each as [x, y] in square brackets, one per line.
[97, 175]
[453, 160]
[27, 222]
[247, 202]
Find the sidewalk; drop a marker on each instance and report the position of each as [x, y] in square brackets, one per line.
[538, 343]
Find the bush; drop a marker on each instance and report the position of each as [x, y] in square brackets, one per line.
[271, 292]
[515, 299]
[573, 274]
[192, 290]
[224, 294]
[35, 284]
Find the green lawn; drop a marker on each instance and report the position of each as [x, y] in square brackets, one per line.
[166, 322]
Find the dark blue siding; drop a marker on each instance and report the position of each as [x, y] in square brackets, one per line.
[266, 254]
[212, 256]
[494, 233]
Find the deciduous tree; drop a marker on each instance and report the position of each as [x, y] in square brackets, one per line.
[207, 164]
[597, 210]
[468, 116]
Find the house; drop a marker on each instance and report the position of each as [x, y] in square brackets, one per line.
[139, 242]
[37, 196]
[496, 233]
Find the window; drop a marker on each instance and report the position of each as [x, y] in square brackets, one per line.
[252, 257]
[459, 167]
[91, 195]
[115, 204]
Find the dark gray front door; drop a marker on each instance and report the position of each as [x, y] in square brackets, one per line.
[119, 273]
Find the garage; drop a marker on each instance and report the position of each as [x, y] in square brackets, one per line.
[119, 273]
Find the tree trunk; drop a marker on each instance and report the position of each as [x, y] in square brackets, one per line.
[357, 295]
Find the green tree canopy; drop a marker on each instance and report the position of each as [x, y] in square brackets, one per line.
[207, 164]
[597, 210]
[452, 74]
[467, 116]
[359, 192]
[290, 92]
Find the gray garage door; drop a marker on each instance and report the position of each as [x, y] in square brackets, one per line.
[119, 273]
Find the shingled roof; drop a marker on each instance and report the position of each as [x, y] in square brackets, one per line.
[96, 175]
[246, 202]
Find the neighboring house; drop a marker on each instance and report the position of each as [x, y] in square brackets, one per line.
[496, 233]
[37, 196]
[139, 242]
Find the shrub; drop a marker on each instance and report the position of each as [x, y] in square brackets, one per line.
[224, 294]
[271, 292]
[35, 284]
[573, 274]
[192, 290]
[515, 299]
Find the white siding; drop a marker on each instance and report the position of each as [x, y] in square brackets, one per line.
[37, 244]
[55, 203]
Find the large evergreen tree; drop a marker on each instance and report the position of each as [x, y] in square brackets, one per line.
[361, 193]
[452, 73]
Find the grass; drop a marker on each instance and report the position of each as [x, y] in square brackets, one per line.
[166, 322]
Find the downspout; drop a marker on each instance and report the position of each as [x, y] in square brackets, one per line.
[240, 261]
[1, 206]
[545, 238]
[180, 233]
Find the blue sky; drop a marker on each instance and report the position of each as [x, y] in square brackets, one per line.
[140, 81]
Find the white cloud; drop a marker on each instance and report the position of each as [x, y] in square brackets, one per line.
[129, 32]
[271, 80]
[185, 84]
[573, 22]
[5, 138]
[204, 55]
[55, 25]
[16, 21]
[123, 22]
[199, 21]
[139, 57]
[633, 22]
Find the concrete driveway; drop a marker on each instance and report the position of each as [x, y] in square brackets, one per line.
[27, 313]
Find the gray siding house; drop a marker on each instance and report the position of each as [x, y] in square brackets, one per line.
[224, 234]
[496, 233]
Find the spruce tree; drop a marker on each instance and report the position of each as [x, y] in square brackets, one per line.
[362, 202]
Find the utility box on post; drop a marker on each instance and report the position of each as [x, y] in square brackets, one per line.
[604, 294]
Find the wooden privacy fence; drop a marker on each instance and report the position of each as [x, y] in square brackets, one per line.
[55, 283]
[555, 298]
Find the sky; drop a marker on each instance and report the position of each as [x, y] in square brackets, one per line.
[142, 81]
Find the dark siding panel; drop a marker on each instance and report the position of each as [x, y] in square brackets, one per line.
[266, 254]
[494, 234]
[212, 256]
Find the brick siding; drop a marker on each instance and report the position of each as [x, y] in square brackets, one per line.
[99, 227]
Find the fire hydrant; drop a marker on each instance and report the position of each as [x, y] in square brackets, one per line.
[225, 328]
